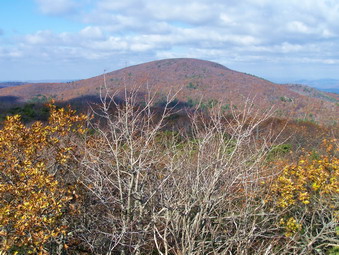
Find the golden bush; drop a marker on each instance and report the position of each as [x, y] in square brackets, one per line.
[311, 182]
[308, 179]
[32, 200]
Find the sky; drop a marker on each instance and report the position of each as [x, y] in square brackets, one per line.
[281, 41]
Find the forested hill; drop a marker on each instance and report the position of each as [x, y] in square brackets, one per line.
[196, 80]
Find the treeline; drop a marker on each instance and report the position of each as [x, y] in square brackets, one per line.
[133, 179]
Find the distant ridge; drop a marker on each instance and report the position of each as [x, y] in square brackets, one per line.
[11, 84]
[331, 90]
[321, 83]
[195, 80]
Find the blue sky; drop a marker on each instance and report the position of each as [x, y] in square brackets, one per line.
[74, 39]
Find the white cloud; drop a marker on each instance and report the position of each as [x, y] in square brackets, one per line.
[92, 32]
[110, 44]
[287, 47]
[40, 37]
[230, 32]
[56, 7]
[298, 27]
[331, 61]
[191, 12]
[110, 5]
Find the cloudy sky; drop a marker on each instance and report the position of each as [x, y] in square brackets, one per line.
[72, 39]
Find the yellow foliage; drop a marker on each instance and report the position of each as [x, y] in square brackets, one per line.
[312, 180]
[291, 226]
[32, 201]
[308, 179]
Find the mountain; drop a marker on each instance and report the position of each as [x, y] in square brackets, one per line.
[331, 90]
[194, 80]
[326, 95]
[320, 83]
[11, 84]
[327, 85]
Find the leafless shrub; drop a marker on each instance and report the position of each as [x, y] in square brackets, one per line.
[151, 192]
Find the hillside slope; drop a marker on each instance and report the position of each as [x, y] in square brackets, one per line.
[195, 80]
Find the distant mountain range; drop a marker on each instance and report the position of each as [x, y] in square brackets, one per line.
[11, 84]
[4, 84]
[194, 80]
[328, 85]
[331, 90]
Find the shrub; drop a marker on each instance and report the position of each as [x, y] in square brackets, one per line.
[279, 151]
[307, 195]
[207, 188]
[192, 86]
[156, 192]
[32, 200]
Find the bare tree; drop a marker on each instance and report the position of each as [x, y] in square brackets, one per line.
[120, 169]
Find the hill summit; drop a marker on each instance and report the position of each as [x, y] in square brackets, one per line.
[195, 80]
